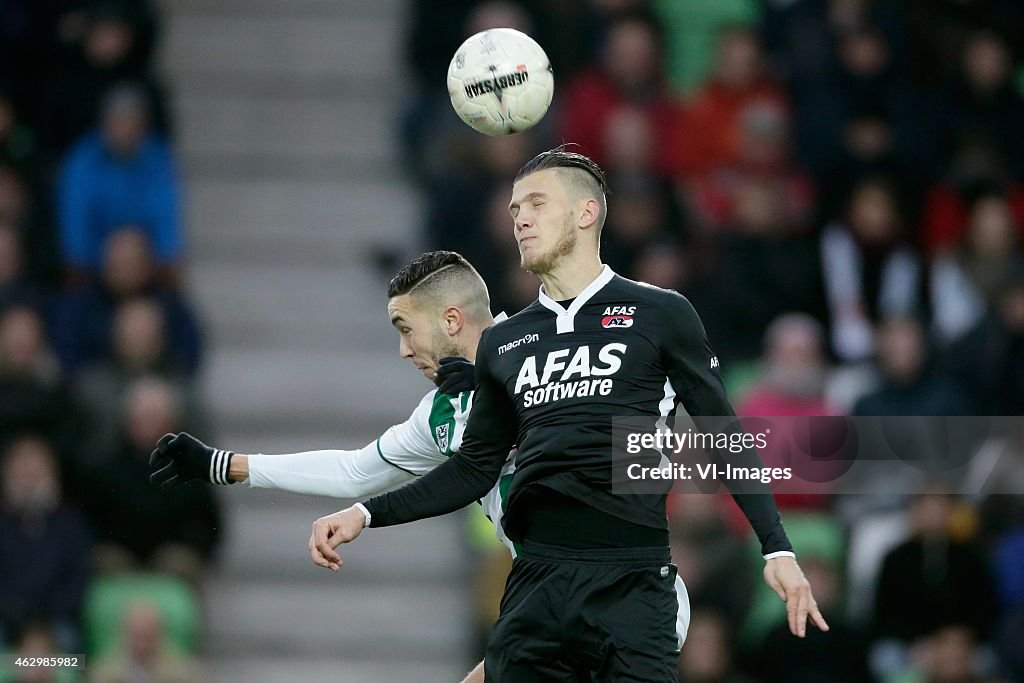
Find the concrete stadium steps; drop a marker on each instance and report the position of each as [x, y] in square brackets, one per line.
[266, 302]
[302, 127]
[321, 392]
[285, 119]
[396, 606]
[268, 540]
[341, 221]
[281, 42]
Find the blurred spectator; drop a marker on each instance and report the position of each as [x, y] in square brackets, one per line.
[739, 88]
[137, 526]
[837, 656]
[866, 70]
[640, 211]
[948, 655]
[438, 27]
[911, 383]
[870, 272]
[792, 370]
[32, 396]
[123, 174]
[15, 285]
[84, 316]
[109, 44]
[962, 283]
[662, 263]
[15, 196]
[629, 78]
[36, 640]
[139, 348]
[976, 171]
[865, 80]
[45, 552]
[985, 104]
[17, 142]
[868, 147]
[762, 157]
[468, 210]
[435, 140]
[144, 654]
[707, 655]
[20, 210]
[792, 384]
[989, 360]
[931, 580]
[939, 30]
[761, 267]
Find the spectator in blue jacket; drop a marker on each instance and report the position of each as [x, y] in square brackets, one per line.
[118, 175]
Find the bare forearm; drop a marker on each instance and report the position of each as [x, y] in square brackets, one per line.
[239, 469]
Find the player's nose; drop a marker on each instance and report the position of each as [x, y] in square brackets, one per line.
[405, 350]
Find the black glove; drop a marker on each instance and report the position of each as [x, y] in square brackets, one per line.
[180, 458]
[455, 375]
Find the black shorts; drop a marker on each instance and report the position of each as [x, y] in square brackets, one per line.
[586, 615]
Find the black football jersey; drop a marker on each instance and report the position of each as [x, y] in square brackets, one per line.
[550, 380]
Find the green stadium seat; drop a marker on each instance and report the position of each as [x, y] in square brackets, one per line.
[692, 31]
[109, 597]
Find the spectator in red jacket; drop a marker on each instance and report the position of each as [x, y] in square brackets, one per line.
[629, 76]
[715, 119]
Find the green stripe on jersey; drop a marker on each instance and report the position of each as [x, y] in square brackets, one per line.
[442, 422]
[381, 454]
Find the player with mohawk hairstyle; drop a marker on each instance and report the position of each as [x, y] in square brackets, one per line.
[590, 594]
[440, 306]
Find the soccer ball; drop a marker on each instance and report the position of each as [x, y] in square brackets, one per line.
[500, 82]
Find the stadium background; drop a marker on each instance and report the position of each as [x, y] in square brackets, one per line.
[836, 184]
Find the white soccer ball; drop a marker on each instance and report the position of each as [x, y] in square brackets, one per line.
[500, 82]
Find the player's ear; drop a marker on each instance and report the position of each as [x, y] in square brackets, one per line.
[453, 320]
[590, 212]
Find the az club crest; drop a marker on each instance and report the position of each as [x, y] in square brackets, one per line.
[610, 321]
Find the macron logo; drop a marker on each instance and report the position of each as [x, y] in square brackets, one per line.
[714, 362]
[528, 339]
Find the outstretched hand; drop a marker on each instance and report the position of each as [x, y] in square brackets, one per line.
[331, 531]
[785, 577]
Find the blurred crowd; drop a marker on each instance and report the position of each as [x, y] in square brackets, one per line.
[99, 349]
[838, 186]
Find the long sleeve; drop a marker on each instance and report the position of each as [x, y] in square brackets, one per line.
[693, 372]
[469, 474]
[403, 452]
[341, 474]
